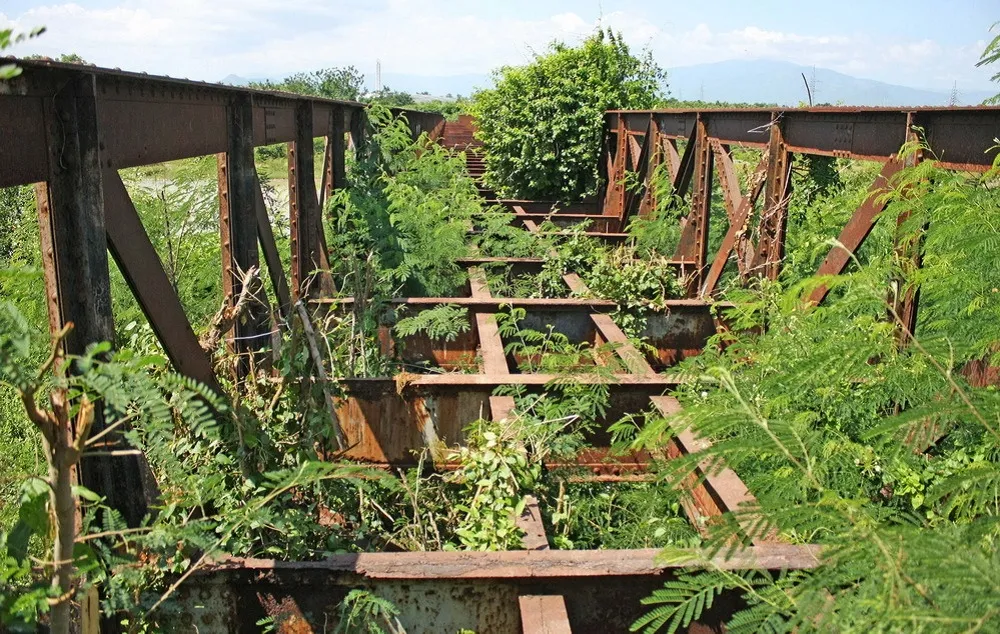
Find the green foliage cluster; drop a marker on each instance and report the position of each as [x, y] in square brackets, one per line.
[362, 612]
[505, 282]
[443, 322]
[548, 352]
[330, 83]
[542, 124]
[179, 208]
[495, 468]
[658, 232]
[596, 515]
[20, 280]
[406, 213]
[449, 109]
[991, 55]
[639, 285]
[497, 235]
[9, 38]
[391, 98]
[699, 104]
[240, 476]
[884, 454]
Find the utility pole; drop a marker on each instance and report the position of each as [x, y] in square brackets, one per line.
[378, 76]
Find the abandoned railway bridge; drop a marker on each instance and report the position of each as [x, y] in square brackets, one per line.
[70, 129]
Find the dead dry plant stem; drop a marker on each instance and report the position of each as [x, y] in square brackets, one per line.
[226, 318]
[317, 360]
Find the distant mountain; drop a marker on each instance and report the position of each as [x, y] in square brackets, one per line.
[738, 81]
[236, 80]
[436, 87]
[768, 81]
[453, 84]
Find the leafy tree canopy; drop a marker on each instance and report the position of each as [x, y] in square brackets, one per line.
[392, 98]
[64, 58]
[541, 124]
[331, 83]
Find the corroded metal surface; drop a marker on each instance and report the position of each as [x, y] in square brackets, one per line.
[445, 592]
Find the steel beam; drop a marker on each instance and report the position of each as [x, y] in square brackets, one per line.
[141, 267]
[958, 138]
[75, 264]
[310, 266]
[265, 236]
[147, 119]
[857, 229]
[643, 172]
[685, 167]
[693, 244]
[335, 154]
[730, 181]
[659, 150]
[238, 228]
[614, 200]
[736, 236]
[774, 217]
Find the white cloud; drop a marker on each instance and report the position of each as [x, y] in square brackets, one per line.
[261, 38]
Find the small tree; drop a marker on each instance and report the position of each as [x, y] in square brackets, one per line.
[541, 124]
[991, 55]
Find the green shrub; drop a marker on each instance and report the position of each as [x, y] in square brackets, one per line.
[542, 124]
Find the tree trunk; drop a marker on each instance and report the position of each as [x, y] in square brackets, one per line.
[63, 505]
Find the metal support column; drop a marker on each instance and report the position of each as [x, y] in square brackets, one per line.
[75, 262]
[238, 226]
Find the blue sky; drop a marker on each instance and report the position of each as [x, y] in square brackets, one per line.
[915, 42]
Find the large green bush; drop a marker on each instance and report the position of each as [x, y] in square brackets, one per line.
[541, 124]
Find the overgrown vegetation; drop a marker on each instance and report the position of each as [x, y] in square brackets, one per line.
[852, 433]
[542, 124]
[885, 454]
[405, 215]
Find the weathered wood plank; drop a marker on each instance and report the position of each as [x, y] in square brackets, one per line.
[532, 564]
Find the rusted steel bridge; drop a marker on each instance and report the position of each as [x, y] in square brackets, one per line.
[69, 129]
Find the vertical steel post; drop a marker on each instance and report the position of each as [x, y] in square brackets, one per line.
[604, 160]
[75, 262]
[307, 239]
[616, 180]
[774, 217]
[647, 203]
[359, 124]
[338, 148]
[693, 244]
[238, 227]
[327, 182]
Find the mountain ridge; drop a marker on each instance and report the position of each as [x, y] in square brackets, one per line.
[780, 82]
[736, 81]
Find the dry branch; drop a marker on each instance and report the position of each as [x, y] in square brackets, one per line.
[317, 360]
[226, 318]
